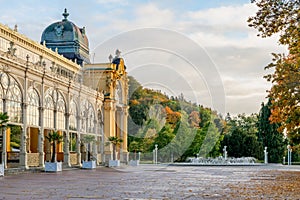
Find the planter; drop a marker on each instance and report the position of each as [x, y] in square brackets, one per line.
[134, 163]
[1, 170]
[114, 163]
[89, 164]
[53, 167]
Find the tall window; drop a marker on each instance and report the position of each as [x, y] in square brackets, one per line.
[54, 101]
[91, 119]
[87, 117]
[60, 112]
[49, 111]
[73, 115]
[1, 102]
[83, 115]
[13, 97]
[33, 107]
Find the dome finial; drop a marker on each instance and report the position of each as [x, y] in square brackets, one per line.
[65, 14]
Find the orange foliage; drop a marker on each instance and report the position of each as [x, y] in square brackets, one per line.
[172, 117]
[134, 102]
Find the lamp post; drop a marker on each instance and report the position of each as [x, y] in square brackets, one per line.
[225, 152]
[289, 154]
[266, 155]
[153, 156]
[156, 153]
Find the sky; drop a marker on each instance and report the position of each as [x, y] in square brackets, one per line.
[202, 49]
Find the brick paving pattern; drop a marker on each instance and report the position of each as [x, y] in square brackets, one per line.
[153, 182]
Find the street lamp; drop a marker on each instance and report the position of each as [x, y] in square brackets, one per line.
[289, 154]
[156, 153]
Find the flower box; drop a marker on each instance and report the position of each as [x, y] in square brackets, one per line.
[1, 170]
[114, 163]
[134, 163]
[89, 164]
[53, 166]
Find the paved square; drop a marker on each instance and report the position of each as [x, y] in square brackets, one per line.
[157, 182]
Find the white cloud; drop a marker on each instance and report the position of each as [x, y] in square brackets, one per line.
[239, 55]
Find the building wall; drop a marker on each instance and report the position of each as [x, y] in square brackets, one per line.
[43, 91]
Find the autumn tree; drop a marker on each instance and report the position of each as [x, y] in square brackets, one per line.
[283, 17]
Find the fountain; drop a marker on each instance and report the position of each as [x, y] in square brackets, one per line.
[221, 161]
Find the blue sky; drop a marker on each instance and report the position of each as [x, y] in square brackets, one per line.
[208, 38]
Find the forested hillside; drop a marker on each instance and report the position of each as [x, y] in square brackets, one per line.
[183, 129]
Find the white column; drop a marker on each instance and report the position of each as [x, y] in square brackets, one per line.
[67, 162]
[4, 153]
[78, 148]
[41, 147]
[41, 137]
[120, 127]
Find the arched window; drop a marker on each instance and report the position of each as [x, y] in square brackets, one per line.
[90, 119]
[54, 101]
[1, 101]
[73, 116]
[13, 97]
[83, 115]
[49, 111]
[87, 117]
[61, 112]
[33, 107]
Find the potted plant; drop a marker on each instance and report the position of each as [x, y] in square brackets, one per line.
[135, 147]
[115, 141]
[89, 162]
[54, 138]
[3, 123]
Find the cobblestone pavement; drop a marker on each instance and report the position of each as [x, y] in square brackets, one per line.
[155, 182]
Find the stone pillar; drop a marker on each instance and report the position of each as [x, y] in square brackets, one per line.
[122, 119]
[25, 140]
[41, 129]
[67, 162]
[109, 126]
[78, 142]
[119, 130]
[94, 143]
[102, 143]
[23, 149]
[78, 148]
[41, 147]
[125, 129]
[4, 153]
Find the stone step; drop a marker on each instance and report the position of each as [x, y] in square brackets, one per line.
[10, 171]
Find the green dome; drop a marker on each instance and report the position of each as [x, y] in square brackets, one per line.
[69, 40]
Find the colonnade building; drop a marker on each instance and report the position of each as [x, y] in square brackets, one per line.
[52, 86]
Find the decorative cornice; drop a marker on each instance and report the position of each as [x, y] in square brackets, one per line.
[26, 43]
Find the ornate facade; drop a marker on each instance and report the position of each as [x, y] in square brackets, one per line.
[46, 88]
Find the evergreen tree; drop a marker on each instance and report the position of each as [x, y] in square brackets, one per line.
[269, 136]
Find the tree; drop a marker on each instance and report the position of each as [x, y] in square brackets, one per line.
[282, 16]
[211, 143]
[135, 147]
[241, 136]
[115, 141]
[88, 139]
[3, 123]
[269, 136]
[54, 138]
[3, 120]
